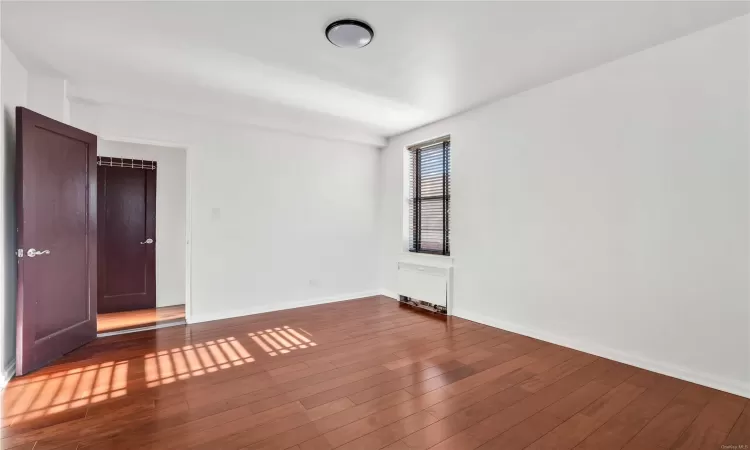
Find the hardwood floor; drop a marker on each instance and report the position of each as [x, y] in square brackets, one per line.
[362, 374]
[140, 318]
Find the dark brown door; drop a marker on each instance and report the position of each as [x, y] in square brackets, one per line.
[127, 227]
[56, 213]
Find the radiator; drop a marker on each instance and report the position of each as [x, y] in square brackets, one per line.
[426, 285]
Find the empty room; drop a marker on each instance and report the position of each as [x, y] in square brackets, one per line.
[362, 225]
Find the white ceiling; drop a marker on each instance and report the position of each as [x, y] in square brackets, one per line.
[428, 60]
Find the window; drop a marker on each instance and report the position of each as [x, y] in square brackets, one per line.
[429, 196]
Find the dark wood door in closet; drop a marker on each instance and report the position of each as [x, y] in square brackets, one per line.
[127, 246]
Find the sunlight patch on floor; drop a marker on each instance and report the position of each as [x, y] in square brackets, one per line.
[168, 366]
[37, 396]
[49, 394]
[281, 340]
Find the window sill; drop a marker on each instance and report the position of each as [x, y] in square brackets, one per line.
[427, 259]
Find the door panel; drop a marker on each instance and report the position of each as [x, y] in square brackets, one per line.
[125, 223]
[56, 208]
[127, 208]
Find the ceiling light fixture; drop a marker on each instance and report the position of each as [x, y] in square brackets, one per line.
[349, 33]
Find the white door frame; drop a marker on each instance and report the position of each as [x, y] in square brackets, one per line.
[188, 212]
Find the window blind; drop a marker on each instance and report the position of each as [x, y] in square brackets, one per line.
[429, 198]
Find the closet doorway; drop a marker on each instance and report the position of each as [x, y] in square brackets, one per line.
[126, 205]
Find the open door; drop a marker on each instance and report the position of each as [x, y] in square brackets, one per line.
[56, 219]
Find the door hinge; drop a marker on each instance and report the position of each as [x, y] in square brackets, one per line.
[19, 253]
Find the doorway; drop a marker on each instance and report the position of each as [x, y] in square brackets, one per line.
[131, 205]
[58, 236]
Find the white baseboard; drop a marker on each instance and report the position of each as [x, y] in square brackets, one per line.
[8, 373]
[728, 385]
[219, 315]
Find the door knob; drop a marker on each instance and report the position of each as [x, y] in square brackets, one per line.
[33, 252]
[148, 241]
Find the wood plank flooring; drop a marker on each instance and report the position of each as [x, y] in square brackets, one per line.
[363, 374]
[139, 318]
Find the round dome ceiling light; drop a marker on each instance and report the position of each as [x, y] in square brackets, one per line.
[349, 33]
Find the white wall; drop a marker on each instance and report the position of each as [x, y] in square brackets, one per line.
[13, 84]
[48, 96]
[170, 213]
[276, 220]
[607, 211]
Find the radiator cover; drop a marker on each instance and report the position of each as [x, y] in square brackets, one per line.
[426, 282]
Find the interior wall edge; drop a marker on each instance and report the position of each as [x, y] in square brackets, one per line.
[8, 373]
[390, 294]
[328, 133]
[220, 315]
[727, 385]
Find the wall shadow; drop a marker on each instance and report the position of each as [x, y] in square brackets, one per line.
[9, 258]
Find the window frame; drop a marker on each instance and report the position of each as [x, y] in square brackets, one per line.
[414, 199]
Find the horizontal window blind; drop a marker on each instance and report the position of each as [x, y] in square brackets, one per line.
[429, 198]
